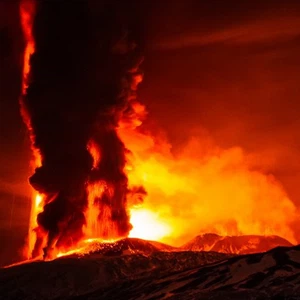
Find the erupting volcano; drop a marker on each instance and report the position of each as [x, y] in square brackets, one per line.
[129, 198]
[98, 172]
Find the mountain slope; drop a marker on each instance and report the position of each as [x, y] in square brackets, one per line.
[123, 246]
[271, 275]
[107, 264]
[134, 269]
[244, 244]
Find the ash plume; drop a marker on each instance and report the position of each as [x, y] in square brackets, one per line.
[83, 77]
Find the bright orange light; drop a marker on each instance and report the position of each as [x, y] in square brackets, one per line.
[70, 252]
[202, 189]
[93, 226]
[36, 208]
[38, 200]
[148, 225]
[85, 247]
[95, 153]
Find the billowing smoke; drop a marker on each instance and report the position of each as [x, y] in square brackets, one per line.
[83, 78]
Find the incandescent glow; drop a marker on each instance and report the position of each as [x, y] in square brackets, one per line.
[38, 200]
[148, 225]
[86, 246]
[27, 12]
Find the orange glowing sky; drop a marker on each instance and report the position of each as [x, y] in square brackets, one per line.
[222, 75]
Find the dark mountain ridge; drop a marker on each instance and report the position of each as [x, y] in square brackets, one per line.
[138, 269]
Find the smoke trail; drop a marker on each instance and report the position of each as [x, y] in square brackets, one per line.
[83, 74]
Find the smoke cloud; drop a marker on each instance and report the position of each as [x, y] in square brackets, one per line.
[72, 100]
[204, 188]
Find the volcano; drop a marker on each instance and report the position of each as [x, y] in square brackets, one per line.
[136, 269]
[108, 189]
[99, 170]
[120, 247]
[97, 265]
[244, 244]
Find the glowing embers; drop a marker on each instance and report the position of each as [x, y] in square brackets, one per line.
[88, 246]
[148, 225]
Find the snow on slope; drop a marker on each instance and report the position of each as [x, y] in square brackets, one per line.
[271, 275]
[106, 266]
[134, 269]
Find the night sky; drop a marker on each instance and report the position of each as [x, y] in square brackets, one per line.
[231, 68]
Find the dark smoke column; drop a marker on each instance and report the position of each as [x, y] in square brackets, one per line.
[82, 80]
